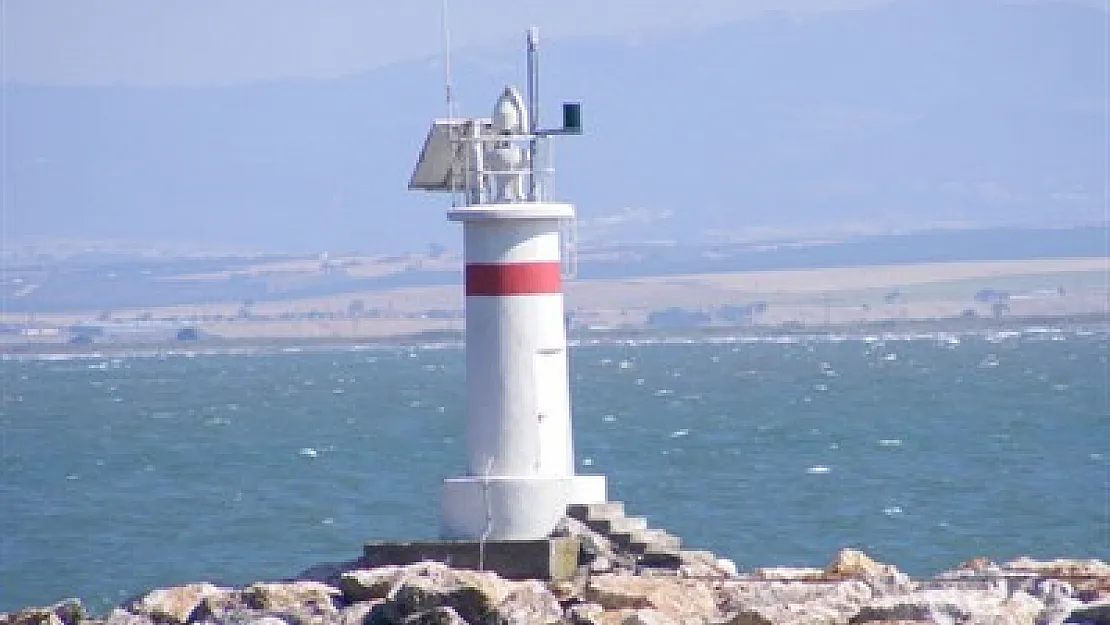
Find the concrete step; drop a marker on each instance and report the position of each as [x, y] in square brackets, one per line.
[660, 559]
[658, 537]
[644, 540]
[618, 525]
[691, 555]
[586, 512]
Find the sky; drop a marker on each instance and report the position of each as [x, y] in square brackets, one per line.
[214, 42]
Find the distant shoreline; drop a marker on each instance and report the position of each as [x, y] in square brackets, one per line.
[1089, 322]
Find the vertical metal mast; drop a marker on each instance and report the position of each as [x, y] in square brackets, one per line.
[533, 89]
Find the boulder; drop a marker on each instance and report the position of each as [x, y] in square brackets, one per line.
[358, 613]
[977, 564]
[585, 614]
[675, 597]
[475, 596]
[442, 615]
[369, 584]
[787, 615]
[1094, 614]
[223, 607]
[974, 607]
[31, 616]
[1060, 568]
[647, 617]
[703, 564]
[294, 597]
[884, 579]
[529, 603]
[119, 616]
[789, 574]
[67, 612]
[176, 605]
[851, 563]
[755, 602]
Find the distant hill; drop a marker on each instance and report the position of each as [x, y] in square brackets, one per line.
[918, 113]
[97, 284]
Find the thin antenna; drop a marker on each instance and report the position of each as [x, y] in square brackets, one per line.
[446, 26]
[533, 89]
[449, 96]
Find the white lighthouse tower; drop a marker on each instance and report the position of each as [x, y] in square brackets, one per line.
[521, 475]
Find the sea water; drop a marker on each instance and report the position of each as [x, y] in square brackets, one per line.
[123, 473]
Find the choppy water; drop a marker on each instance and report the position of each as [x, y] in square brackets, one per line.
[120, 474]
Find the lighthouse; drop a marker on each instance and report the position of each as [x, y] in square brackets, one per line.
[520, 475]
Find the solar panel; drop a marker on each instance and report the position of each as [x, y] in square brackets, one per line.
[442, 162]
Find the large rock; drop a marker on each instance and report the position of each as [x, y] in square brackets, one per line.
[1061, 568]
[585, 614]
[966, 607]
[416, 593]
[884, 579]
[790, 574]
[851, 563]
[176, 605]
[297, 598]
[529, 603]
[678, 598]
[119, 616]
[778, 603]
[473, 595]
[442, 615]
[1095, 614]
[647, 617]
[369, 584]
[67, 612]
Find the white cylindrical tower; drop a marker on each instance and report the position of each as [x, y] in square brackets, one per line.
[519, 442]
[520, 453]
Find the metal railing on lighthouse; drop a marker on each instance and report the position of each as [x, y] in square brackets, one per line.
[502, 159]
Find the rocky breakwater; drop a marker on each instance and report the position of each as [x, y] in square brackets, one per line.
[852, 589]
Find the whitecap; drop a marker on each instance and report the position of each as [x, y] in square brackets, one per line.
[308, 452]
[609, 418]
[678, 433]
[337, 391]
[892, 511]
[587, 462]
[625, 364]
[663, 392]
[890, 442]
[818, 470]
[328, 521]
[820, 387]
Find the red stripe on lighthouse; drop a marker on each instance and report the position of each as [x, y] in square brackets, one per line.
[538, 278]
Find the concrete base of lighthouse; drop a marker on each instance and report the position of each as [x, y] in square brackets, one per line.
[513, 508]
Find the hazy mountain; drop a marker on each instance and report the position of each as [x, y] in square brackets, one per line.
[903, 117]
